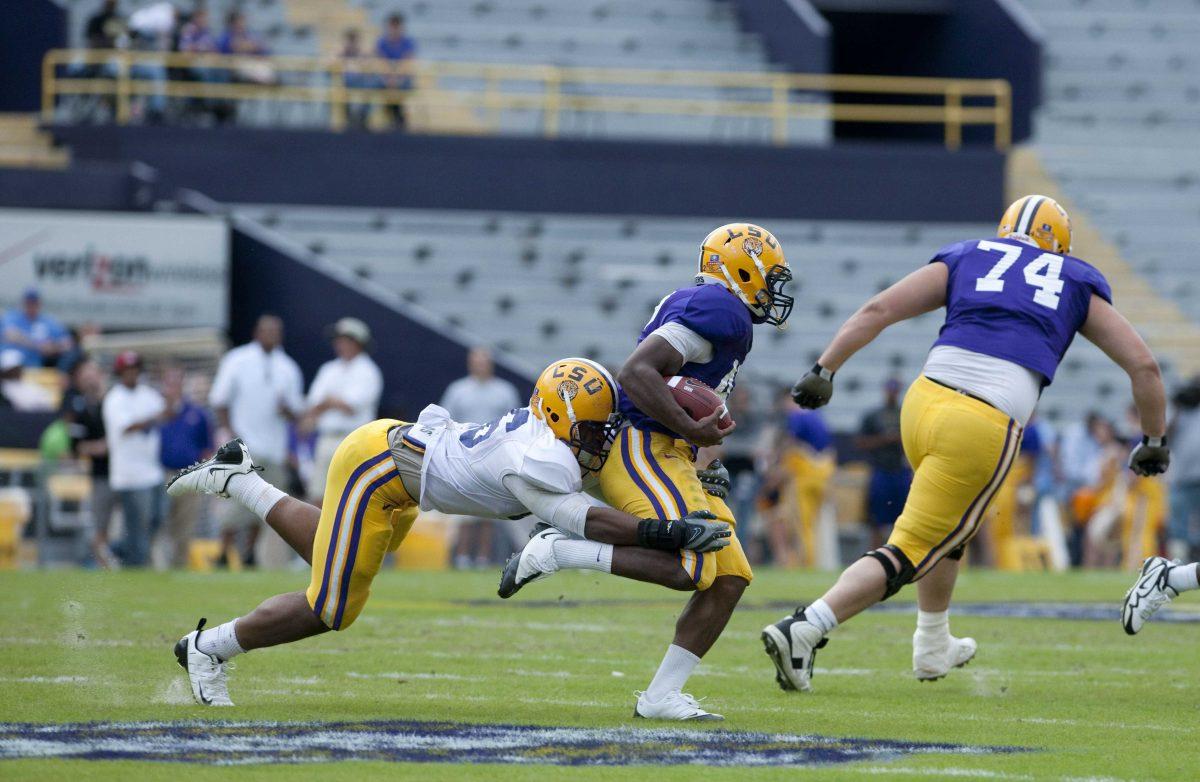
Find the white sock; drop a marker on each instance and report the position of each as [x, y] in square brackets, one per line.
[254, 494]
[583, 555]
[220, 641]
[820, 616]
[1182, 578]
[673, 673]
[933, 623]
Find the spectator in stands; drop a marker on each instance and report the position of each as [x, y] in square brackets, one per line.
[891, 476]
[1184, 476]
[106, 29]
[85, 423]
[153, 29]
[395, 45]
[357, 111]
[16, 391]
[186, 439]
[257, 392]
[132, 413]
[478, 397]
[237, 38]
[196, 36]
[343, 396]
[40, 338]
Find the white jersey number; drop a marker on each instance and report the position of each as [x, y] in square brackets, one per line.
[1041, 273]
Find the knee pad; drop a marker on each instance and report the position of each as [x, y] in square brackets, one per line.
[896, 579]
[957, 553]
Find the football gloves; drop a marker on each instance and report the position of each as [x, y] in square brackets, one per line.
[1150, 457]
[814, 389]
[697, 531]
[715, 479]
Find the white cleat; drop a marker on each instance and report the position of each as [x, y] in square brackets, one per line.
[933, 659]
[1148, 594]
[676, 706]
[206, 672]
[533, 563]
[212, 475]
[792, 644]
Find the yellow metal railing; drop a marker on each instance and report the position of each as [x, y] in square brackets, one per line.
[489, 89]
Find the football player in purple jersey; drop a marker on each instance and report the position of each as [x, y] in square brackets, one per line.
[1013, 305]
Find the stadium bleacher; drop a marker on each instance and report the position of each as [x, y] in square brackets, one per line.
[546, 286]
[1119, 126]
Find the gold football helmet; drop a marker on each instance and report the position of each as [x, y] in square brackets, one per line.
[577, 399]
[748, 260]
[1040, 219]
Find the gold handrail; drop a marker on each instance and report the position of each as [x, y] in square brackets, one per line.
[491, 88]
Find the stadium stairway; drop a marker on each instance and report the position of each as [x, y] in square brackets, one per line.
[1173, 337]
[1118, 130]
[24, 145]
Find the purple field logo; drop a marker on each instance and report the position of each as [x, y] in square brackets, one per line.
[229, 743]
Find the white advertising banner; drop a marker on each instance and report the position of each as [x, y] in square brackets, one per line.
[117, 270]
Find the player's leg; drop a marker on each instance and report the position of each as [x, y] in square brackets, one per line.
[962, 450]
[1159, 582]
[935, 650]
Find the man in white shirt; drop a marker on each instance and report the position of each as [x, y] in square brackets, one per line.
[479, 397]
[132, 412]
[17, 392]
[257, 391]
[343, 396]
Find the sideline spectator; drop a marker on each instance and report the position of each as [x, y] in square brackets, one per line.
[1079, 463]
[17, 392]
[1184, 476]
[40, 338]
[106, 29]
[738, 452]
[186, 439]
[477, 398]
[357, 112]
[812, 460]
[132, 412]
[395, 45]
[344, 395]
[257, 392]
[879, 439]
[85, 423]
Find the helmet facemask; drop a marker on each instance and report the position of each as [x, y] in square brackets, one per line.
[591, 441]
[777, 304]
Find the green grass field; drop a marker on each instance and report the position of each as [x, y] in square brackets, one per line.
[1087, 700]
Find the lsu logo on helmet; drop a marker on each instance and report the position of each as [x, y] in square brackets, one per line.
[1041, 220]
[577, 399]
[749, 261]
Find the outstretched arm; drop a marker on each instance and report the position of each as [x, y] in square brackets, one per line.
[1112, 333]
[922, 291]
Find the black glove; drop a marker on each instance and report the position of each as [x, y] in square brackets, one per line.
[715, 479]
[698, 531]
[814, 389]
[1150, 457]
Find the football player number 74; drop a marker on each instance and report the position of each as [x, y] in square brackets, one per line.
[1041, 273]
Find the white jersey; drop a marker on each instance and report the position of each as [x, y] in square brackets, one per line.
[465, 464]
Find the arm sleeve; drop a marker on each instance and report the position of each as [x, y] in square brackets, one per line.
[567, 512]
[222, 387]
[948, 255]
[693, 347]
[1098, 285]
[115, 420]
[550, 465]
[316, 391]
[295, 391]
[715, 322]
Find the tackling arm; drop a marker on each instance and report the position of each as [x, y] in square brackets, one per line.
[642, 380]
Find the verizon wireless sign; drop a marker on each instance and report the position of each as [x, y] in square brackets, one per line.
[117, 270]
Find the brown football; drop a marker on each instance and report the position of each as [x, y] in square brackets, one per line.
[698, 400]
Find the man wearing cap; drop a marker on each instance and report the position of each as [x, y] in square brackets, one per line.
[343, 396]
[257, 391]
[879, 440]
[17, 392]
[40, 338]
[132, 414]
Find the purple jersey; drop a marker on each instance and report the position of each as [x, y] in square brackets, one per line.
[1016, 302]
[715, 314]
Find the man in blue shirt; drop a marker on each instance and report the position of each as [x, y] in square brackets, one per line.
[397, 46]
[40, 338]
[186, 439]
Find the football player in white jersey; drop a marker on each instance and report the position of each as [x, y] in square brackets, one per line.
[534, 459]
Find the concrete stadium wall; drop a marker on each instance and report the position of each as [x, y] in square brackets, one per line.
[99, 185]
[866, 181]
[795, 33]
[30, 29]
